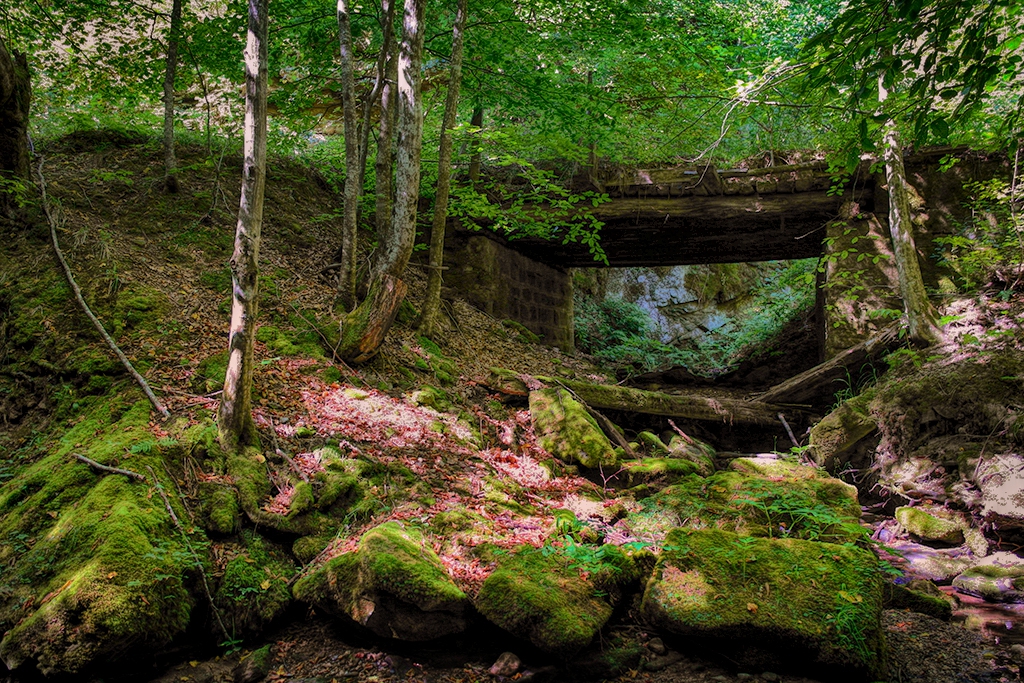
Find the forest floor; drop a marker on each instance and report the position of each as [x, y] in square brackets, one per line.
[127, 242]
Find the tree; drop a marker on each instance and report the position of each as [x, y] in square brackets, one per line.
[432, 300]
[15, 99]
[235, 414]
[363, 329]
[170, 71]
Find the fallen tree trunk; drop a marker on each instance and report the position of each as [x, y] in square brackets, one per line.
[820, 383]
[626, 399]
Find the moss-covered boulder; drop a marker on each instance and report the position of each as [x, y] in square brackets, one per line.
[393, 584]
[993, 583]
[254, 588]
[929, 526]
[919, 596]
[847, 434]
[558, 599]
[771, 603]
[656, 473]
[93, 566]
[565, 429]
[807, 506]
[693, 450]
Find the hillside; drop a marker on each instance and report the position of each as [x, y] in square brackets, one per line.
[405, 519]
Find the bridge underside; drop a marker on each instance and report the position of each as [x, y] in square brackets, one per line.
[664, 231]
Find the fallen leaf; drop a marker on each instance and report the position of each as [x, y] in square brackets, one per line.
[752, 608]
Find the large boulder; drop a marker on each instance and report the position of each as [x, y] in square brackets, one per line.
[555, 600]
[567, 431]
[771, 603]
[993, 583]
[393, 584]
[1001, 480]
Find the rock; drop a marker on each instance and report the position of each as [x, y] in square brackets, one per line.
[255, 666]
[254, 588]
[567, 431]
[545, 599]
[930, 525]
[1002, 559]
[507, 664]
[770, 677]
[657, 646]
[919, 596]
[1001, 480]
[656, 473]
[993, 583]
[765, 601]
[693, 450]
[938, 565]
[664, 661]
[394, 585]
[846, 435]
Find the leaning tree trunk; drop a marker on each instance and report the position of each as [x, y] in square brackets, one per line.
[350, 215]
[171, 70]
[235, 415]
[921, 316]
[397, 250]
[432, 302]
[15, 98]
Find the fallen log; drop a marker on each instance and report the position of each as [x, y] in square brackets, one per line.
[626, 399]
[820, 383]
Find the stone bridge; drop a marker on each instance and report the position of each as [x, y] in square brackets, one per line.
[681, 216]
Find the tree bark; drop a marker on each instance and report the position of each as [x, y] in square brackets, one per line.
[475, 159]
[235, 415]
[15, 99]
[170, 71]
[350, 215]
[396, 251]
[384, 165]
[922, 319]
[432, 301]
[364, 329]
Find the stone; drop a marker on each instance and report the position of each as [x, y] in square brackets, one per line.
[938, 565]
[693, 450]
[921, 596]
[542, 597]
[993, 583]
[255, 666]
[662, 662]
[393, 584]
[507, 665]
[567, 431]
[768, 601]
[657, 646]
[847, 434]
[770, 676]
[1001, 480]
[930, 525]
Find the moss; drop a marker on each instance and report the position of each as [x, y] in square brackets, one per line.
[652, 443]
[919, 596]
[209, 375]
[823, 600]
[543, 599]
[566, 430]
[929, 526]
[812, 508]
[835, 438]
[219, 506]
[399, 563]
[432, 397]
[306, 548]
[775, 467]
[254, 589]
[290, 342]
[657, 472]
[699, 453]
[93, 564]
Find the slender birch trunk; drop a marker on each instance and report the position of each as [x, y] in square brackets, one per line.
[432, 302]
[170, 71]
[235, 415]
[384, 165]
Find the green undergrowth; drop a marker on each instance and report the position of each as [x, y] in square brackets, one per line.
[254, 589]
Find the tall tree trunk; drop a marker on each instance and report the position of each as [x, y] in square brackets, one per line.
[397, 250]
[15, 98]
[361, 339]
[170, 71]
[921, 316]
[383, 59]
[432, 302]
[475, 159]
[235, 415]
[385, 166]
[350, 215]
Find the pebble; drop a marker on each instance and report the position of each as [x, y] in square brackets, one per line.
[744, 676]
[507, 664]
[657, 646]
[770, 677]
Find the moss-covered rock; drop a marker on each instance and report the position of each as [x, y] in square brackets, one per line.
[219, 507]
[656, 473]
[394, 585]
[699, 453]
[807, 507]
[919, 596]
[771, 602]
[930, 527]
[993, 583]
[565, 429]
[254, 589]
[541, 595]
[842, 435]
[94, 567]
